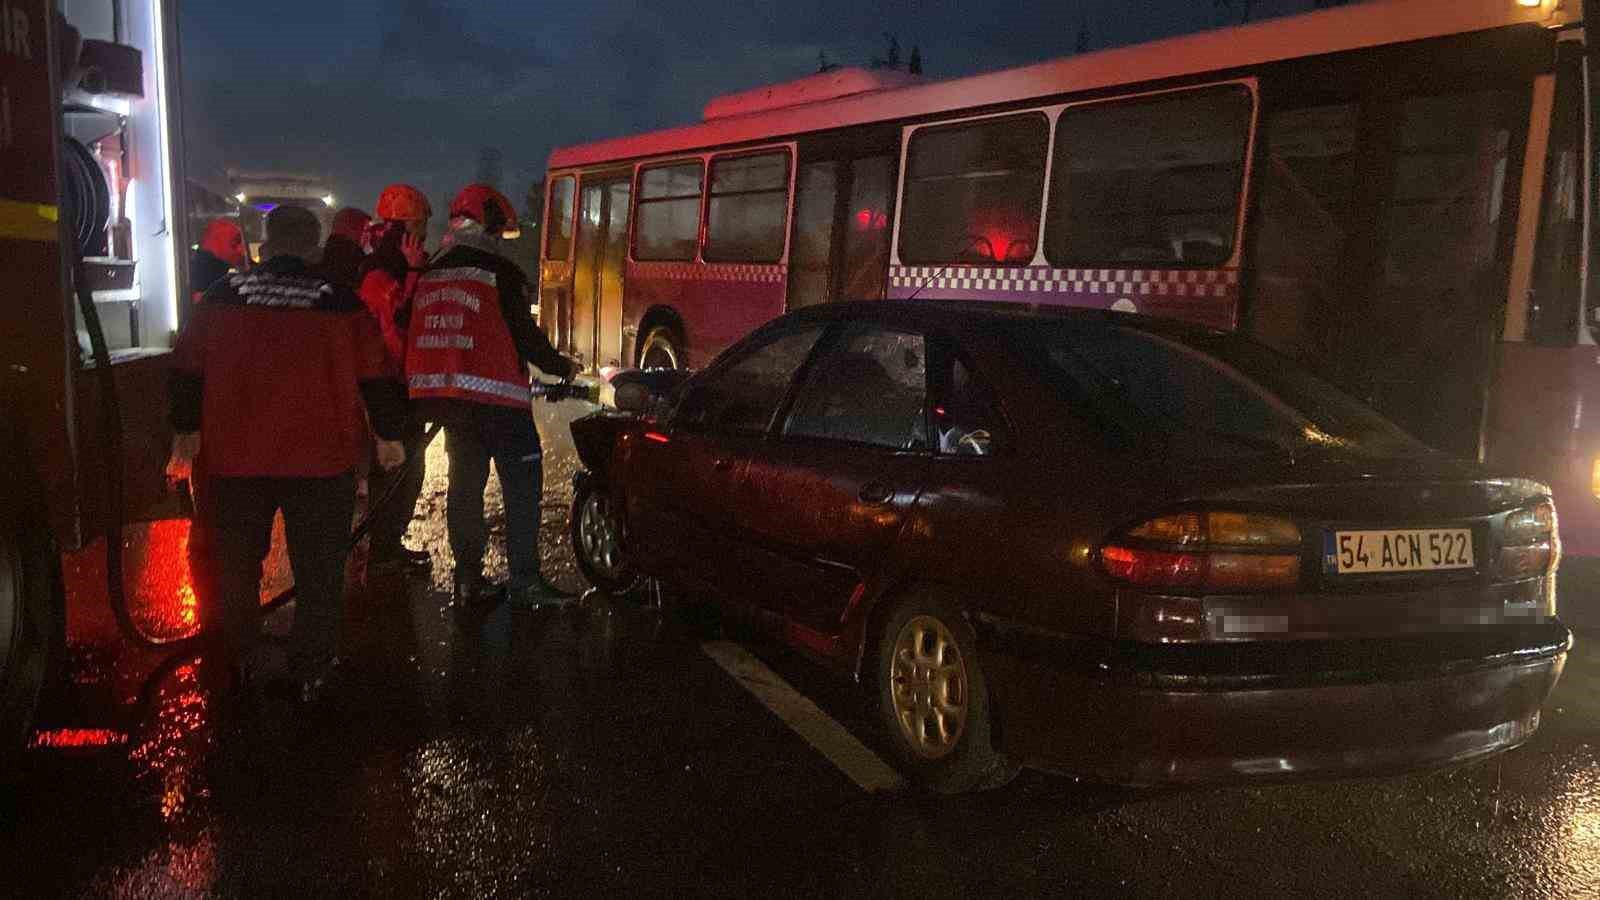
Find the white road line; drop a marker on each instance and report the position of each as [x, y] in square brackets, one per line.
[842, 748]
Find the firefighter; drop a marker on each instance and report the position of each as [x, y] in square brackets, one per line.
[470, 336]
[269, 376]
[221, 250]
[387, 277]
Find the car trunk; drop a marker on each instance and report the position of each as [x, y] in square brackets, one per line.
[1336, 500]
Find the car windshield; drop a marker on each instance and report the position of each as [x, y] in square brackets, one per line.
[1206, 396]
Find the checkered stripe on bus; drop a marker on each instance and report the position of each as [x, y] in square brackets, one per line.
[689, 271]
[1045, 280]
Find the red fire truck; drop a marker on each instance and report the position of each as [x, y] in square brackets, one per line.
[91, 275]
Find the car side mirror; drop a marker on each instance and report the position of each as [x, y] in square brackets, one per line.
[636, 398]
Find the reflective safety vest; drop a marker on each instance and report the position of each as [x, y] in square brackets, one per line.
[457, 342]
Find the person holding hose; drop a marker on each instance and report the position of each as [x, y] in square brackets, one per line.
[387, 278]
[470, 337]
[270, 375]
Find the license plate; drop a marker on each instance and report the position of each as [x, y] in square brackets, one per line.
[1397, 550]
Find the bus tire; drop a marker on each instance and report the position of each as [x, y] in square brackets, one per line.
[662, 348]
[32, 633]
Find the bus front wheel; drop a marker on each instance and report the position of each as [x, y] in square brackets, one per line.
[32, 623]
[662, 348]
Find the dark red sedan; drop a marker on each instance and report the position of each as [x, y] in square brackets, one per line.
[1099, 544]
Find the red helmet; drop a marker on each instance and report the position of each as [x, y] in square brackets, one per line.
[225, 241]
[350, 223]
[485, 205]
[403, 203]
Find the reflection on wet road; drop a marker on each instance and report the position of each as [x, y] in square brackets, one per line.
[601, 750]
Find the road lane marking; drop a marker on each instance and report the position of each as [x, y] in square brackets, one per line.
[806, 719]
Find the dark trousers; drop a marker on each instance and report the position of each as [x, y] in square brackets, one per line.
[391, 520]
[316, 519]
[475, 434]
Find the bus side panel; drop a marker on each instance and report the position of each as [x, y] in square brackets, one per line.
[1208, 297]
[719, 302]
[1543, 424]
[35, 348]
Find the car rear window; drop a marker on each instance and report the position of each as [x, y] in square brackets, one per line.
[1205, 396]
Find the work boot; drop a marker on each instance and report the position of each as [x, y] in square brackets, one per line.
[404, 561]
[540, 595]
[475, 591]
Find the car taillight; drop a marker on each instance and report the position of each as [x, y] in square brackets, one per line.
[1529, 545]
[1207, 551]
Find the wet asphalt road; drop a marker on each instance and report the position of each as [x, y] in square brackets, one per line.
[601, 751]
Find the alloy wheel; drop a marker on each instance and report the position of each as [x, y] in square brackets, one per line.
[928, 680]
[597, 534]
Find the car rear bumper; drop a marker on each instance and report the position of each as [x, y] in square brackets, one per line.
[1268, 710]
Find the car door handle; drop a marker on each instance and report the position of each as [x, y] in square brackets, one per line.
[876, 492]
[722, 463]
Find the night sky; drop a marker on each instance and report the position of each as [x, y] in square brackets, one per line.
[367, 92]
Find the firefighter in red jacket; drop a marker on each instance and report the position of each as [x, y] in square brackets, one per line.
[387, 277]
[470, 337]
[270, 376]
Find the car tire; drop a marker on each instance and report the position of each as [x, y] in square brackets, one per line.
[933, 700]
[595, 534]
[32, 629]
[662, 348]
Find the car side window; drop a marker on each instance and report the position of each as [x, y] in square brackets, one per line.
[743, 396]
[868, 386]
[966, 416]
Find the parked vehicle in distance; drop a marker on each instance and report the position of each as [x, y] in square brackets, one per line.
[1097, 543]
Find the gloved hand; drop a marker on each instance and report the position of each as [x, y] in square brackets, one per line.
[180, 464]
[391, 454]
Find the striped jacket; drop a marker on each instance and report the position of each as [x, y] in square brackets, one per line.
[470, 332]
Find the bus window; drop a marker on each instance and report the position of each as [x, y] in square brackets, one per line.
[1149, 181]
[974, 191]
[1305, 205]
[866, 241]
[811, 257]
[668, 212]
[748, 207]
[1553, 314]
[558, 221]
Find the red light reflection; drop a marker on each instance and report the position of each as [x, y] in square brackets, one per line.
[869, 219]
[73, 738]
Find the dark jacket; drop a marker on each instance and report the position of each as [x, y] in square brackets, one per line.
[341, 261]
[273, 370]
[205, 270]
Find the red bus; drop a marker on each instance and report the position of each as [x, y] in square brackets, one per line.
[92, 252]
[1397, 192]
